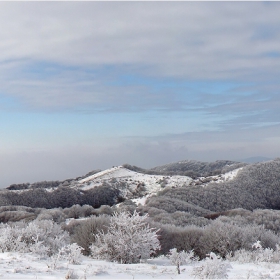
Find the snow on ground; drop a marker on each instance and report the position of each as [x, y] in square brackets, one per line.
[204, 181]
[68, 221]
[122, 173]
[134, 180]
[28, 266]
[141, 200]
[231, 174]
[108, 173]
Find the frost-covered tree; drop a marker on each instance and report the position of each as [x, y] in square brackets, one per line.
[129, 238]
[180, 258]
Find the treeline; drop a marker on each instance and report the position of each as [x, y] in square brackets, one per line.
[50, 184]
[37, 185]
[198, 168]
[10, 214]
[61, 197]
[191, 168]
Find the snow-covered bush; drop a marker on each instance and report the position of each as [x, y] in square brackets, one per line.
[276, 254]
[241, 256]
[129, 239]
[48, 233]
[213, 267]
[55, 215]
[10, 240]
[71, 253]
[180, 258]
[262, 254]
[42, 237]
[223, 236]
[259, 254]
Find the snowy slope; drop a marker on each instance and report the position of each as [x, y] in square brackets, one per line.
[204, 181]
[117, 171]
[121, 173]
[133, 184]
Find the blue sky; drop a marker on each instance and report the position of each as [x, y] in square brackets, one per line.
[90, 85]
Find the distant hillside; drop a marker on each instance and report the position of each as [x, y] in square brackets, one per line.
[255, 186]
[49, 184]
[191, 168]
[195, 168]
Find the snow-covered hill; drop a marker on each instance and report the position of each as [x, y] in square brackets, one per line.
[151, 182]
[114, 185]
[132, 184]
[138, 186]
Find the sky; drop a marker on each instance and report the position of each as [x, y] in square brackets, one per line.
[91, 85]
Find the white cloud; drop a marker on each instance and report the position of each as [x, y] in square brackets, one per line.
[91, 44]
[195, 40]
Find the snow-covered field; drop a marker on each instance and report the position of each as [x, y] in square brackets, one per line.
[28, 266]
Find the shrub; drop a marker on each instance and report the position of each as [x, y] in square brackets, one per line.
[182, 238]
[85, 231]
[71, 253]
[223, 236]
[40, 237]
[179, 258]
[129, 239]
[256, 255]
[213, 267]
